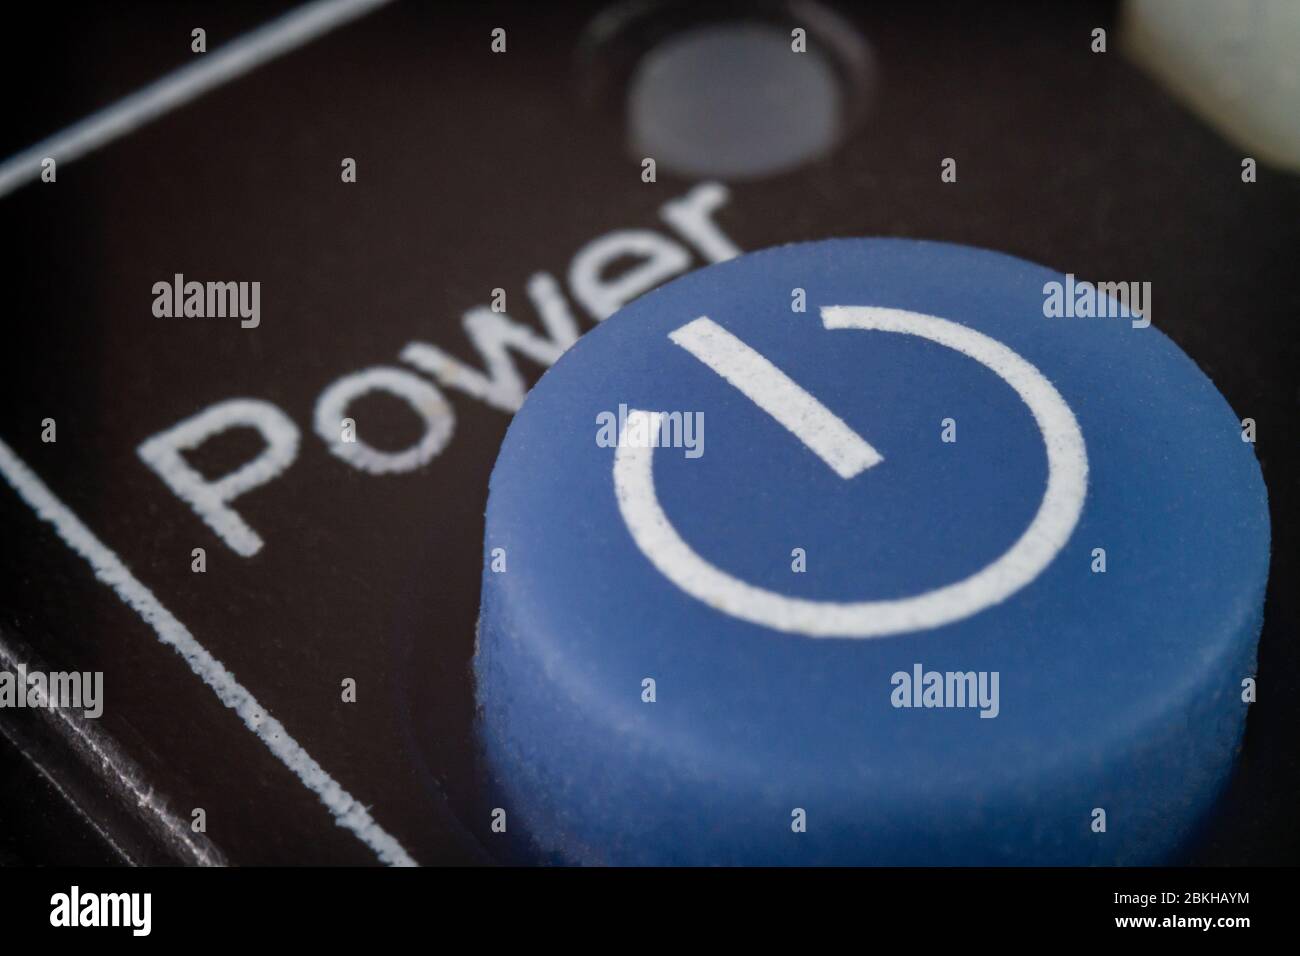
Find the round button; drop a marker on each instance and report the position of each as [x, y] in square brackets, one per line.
[847, 552]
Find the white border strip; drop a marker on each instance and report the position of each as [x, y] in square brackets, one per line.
[208, 71]
[81, 735]
[108, 567]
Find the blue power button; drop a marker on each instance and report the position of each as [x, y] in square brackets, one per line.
[855, 552]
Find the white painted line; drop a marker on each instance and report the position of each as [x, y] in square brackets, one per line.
[776, 393]
[207, 72]
[108, 567]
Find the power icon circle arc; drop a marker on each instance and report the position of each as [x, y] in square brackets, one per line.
[1033, 551]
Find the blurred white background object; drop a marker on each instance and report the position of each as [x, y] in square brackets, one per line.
[1235, 62]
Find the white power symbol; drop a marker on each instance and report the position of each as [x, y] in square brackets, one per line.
[827, 436]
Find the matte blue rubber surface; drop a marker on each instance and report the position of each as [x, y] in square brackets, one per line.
[1118, 690]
